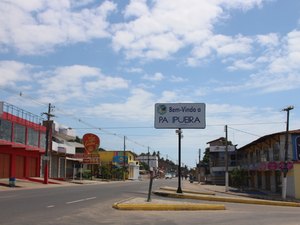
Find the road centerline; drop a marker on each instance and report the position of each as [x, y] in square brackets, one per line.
[80, 200]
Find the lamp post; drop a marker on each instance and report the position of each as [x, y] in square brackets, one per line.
[179, 132]
[286, 147]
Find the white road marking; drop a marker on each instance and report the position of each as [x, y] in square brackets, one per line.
[50, 206]
[80, 200]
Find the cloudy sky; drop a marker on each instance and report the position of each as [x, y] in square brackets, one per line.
[104, 64]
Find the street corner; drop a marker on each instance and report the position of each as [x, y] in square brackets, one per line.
[163, 205]
[242, 200]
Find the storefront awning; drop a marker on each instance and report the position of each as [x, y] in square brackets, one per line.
[74, 159]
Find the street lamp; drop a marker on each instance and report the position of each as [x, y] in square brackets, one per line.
[285, 168]
[179, 132]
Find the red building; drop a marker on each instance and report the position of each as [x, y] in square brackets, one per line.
[22, 142]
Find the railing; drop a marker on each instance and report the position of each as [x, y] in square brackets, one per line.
[15, 111]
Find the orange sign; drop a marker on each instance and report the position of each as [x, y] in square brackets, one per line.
[91, 143]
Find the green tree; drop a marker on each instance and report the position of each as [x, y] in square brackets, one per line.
[205, 159]
[238, 178]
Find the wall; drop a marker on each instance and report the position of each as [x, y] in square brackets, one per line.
[297, 180]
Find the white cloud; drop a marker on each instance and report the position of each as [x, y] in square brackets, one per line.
[246, 64]
[158, 30]
[177, 79]
[134, 70]
[13, 72]
[136, 8]
[77, 81]
[36, 27]
[271, 39]
[155, 77]
[138, 107]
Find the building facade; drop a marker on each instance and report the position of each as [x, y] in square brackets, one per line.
[117, 159]
[63, 164]
[150, 160]
[263, 160]
[22, 142]
[217, 160]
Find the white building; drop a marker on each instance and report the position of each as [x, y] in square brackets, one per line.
[150, 160]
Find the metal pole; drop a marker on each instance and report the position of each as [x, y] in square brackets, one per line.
[226, 160]
[148, 159]
[199, 175]
[179, 190]
[124, 151]
[286, 147]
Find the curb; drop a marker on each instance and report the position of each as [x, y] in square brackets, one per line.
[227, 199]
[187, 191]
[168, 207]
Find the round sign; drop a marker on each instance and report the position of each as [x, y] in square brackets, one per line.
[91, 142]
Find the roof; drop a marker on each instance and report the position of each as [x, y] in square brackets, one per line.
[269, 136]
[219, 139]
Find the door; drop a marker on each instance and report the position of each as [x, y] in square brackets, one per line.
[20, 166]
[32, 161]
[4, 165]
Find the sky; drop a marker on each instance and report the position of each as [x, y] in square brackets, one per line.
[104, 64]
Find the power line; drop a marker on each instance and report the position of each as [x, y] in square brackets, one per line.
[244, 132]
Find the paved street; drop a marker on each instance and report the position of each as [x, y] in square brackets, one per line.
[92, 204]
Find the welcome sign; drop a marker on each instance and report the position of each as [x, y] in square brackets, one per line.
[180, 115]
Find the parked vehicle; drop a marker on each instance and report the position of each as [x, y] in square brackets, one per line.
[168, 176]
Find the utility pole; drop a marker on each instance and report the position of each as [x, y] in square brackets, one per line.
[226, 159]
[46, 156]
[286, 147]
[148, 159]
[124, 152]
[199, 175]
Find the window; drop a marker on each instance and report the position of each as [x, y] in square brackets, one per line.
[43, 140]
[5, 130]
[266, 155]
[258, 155]
[276, 152]
[32, 137]
[251, 158]
[19, 134]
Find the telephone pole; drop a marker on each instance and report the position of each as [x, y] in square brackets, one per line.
[124, 159]
[286, 147]
[46, 156]
[199, 175]
[226, 159]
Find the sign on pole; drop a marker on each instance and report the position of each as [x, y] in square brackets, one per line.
[179, 115]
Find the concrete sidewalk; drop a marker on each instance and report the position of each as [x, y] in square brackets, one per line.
[38, 182]
[220, 190]
[197, 192]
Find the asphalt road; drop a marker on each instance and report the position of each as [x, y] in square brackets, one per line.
[92, 204]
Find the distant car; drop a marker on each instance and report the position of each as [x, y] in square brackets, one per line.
[168, 176]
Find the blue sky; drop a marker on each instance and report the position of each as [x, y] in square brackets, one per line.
[104, 64]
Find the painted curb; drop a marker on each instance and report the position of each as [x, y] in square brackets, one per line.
[167, 207]
[187, 191]
[227, 199]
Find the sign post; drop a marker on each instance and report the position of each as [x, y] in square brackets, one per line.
[179, 116]
[91, 144]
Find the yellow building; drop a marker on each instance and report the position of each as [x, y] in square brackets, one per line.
[116, 159]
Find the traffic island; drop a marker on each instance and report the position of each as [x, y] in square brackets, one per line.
[166, 188]
[163, 205]
[225, 199]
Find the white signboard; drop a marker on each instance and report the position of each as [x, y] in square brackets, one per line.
[222, 148]
[180, 115]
